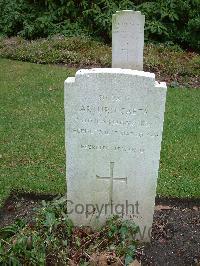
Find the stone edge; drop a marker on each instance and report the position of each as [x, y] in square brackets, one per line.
[130, 72]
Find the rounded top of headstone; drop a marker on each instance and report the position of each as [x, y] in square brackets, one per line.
[128, 11]
[115, 71]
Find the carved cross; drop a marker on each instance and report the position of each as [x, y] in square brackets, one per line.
[126, 50]
[112, 178]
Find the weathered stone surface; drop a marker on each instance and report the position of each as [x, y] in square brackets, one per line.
[113, 124]
[128, 39]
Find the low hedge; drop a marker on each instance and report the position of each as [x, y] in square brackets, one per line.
[170, 63]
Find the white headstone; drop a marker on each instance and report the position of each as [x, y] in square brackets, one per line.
[113, 124]
[128, 39]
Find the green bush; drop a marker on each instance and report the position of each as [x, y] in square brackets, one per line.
[177, 21]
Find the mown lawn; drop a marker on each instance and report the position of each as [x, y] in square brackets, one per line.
[32, 127]
[32, 155]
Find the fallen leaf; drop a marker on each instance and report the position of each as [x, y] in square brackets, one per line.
[105, 259]
[102, 260]
[162, 207]
[10, 208]
[135, 263]
[71, 263]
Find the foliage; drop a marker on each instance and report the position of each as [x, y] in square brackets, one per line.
[122, 233]
[169, 62]
[72, 51]
[177, 21]
[51, 238]
[43, 237]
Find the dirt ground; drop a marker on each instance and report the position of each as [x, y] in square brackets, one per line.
[175, 235]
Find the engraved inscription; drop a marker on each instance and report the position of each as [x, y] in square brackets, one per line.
[111, 148]
[126, 26]
[112, 132]
[92, 109]
[105, 132]
[113, 119]
[109, 118]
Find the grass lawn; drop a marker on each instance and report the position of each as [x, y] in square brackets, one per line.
[31, 127]
[32, 156]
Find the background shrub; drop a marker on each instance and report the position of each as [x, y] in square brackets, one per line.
[175, 21]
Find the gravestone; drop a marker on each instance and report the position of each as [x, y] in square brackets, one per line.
[128, 39]
[113, 126]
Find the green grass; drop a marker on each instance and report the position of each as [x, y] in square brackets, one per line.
[31, 128]
[180, 158]
[32, 156]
